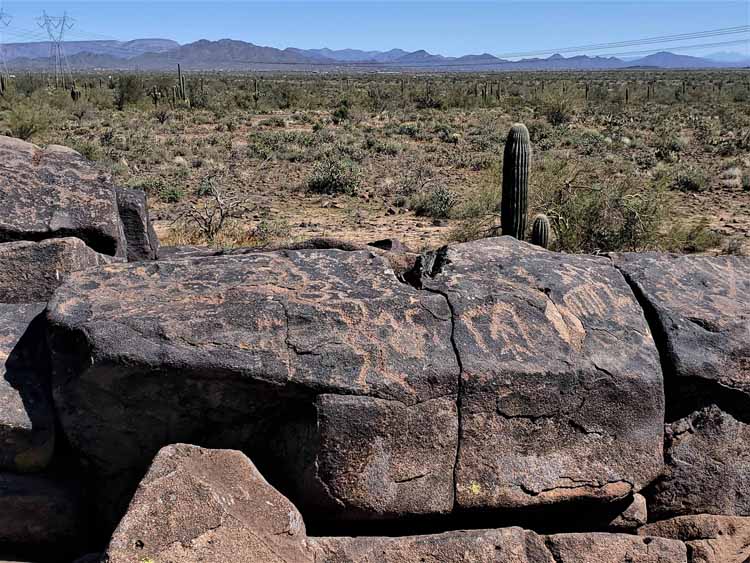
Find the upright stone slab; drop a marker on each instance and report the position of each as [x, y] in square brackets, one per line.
[31, 271]
[55, 192]
[27, 422]
[205, 505]
[561, 389]
[143, 244]
[226, 351]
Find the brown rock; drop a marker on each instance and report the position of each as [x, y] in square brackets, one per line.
[635, 515]
[205, 505]
[31, 271]
[27, 421]
[707, 466]
[55, 192]
[615, 548]
[561, 391]
[710, 539]
[507, 545]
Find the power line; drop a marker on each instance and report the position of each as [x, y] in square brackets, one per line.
[56, 27]
[5, 19]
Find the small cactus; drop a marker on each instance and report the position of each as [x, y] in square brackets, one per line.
[540, 231]
[515, 182]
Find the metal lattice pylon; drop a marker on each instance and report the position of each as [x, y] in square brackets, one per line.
[56, 26]
[5, 19]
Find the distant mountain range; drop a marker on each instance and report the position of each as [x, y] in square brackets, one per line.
[228, 54]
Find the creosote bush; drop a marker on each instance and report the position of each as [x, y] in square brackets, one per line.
[333, 175]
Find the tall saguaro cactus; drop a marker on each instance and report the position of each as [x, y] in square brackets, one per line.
[515, 181]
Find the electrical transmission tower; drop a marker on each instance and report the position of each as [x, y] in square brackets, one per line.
[56, 26]
[5, 20]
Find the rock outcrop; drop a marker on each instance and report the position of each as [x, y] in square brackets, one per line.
[213, 506]
[561, 388]
[54, 192]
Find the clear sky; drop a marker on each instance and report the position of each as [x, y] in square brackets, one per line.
[446, 27]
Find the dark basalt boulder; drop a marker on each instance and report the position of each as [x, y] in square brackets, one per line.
[142, 242]
[561, 394]
[707, 467]
[27, 420]
[700, 312]
[54, 192]
[205, 505]
[227, 351]
[710, 539]
[32, 271]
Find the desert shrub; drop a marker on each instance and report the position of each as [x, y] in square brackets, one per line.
[171, 194]
[691, 238]
[746, 181]
[587, 215]
[341, 113]
[689, 179]
[333, 175]
[669, 146]
[437, 203]
[26, 121]
[128, 91]
[558, 109]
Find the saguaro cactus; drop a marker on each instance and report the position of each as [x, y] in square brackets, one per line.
[515, 181]
[540, 231]
[75, 93]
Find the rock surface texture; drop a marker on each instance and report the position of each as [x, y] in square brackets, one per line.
[211, 506]
[561, 388]
[55, 192]
[32, 271]
[710, 539]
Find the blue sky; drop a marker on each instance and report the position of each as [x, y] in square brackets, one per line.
[446, 27]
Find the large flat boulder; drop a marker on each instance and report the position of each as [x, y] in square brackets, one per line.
[31, 271]
[710, 539]
[205, 505]
[561, 394]
[27, 421]
[142, 241]
[224, 351]
[54, 192]
[707, 466]
[700, 310]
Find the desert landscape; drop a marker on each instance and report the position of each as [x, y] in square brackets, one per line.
[313, 305]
